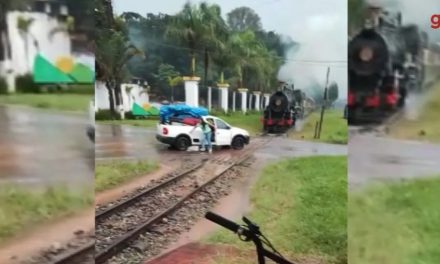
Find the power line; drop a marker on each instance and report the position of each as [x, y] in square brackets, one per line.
[326, 62]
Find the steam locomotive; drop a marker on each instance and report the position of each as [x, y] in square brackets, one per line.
[384, 64]
[285, 107]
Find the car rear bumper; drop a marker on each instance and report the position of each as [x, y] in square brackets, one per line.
[165, 140]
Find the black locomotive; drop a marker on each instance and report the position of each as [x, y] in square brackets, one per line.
[384, 64]
[284, 108]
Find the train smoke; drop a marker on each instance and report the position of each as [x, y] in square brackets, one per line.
[414, 12]
[322, 42]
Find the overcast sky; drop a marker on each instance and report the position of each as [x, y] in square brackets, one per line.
[320, 27]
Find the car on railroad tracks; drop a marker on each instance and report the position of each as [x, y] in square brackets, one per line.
[182, 135]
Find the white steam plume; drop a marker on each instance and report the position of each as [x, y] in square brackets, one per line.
[414, 12]
[323, 40]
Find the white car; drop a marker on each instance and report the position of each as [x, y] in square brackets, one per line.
[182, 136]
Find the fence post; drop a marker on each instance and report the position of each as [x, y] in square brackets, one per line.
[315, 136]
[323, 104]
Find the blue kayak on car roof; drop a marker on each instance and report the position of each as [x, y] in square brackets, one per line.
[181, 111]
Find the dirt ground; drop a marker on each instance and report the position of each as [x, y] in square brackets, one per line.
[55, 233]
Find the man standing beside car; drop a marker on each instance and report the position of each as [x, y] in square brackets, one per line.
[206, 135]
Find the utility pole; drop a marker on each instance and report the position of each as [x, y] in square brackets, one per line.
[323, 104]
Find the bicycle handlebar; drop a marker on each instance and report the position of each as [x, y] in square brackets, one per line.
[228, 224]
[234, 227]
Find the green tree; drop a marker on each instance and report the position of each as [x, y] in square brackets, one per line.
[112, 56]
[81, 23]
[316, 92]
[244, 58]
[167, 76]
[190, 28]
[356, 14]
[23, 26]
[224, 57]
[211, 14]
[333, 93]
[114, 51]
[244, 18]
[246, 49]
[173, 82]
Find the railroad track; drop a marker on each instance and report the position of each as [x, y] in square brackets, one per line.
[377, 128]
[122, 223]
[84, 254]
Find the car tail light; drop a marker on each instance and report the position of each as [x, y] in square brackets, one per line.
[165, 131]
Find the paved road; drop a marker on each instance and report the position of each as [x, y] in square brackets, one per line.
[281, 147]
[374, 158]
[40, 148]
[125, 142]
[115, 142]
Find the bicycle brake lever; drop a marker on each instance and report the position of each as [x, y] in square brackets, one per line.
[252, 227]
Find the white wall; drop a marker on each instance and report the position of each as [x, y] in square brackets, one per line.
[51, 47]
[101, 96]
[87, 59]
[135, 96]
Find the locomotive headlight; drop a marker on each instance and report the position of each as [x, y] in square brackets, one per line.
[366, 54]
[278, 102]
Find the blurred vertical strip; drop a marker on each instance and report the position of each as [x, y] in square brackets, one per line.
[84, 24]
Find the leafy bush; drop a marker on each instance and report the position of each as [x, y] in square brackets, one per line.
[221, 112]
[79, 89]
[25, 84]
[106, 115]
[3, 86]
[129, 115]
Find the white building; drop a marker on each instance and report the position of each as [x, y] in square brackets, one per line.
[134, 92]
[38, 39]
[46, 34]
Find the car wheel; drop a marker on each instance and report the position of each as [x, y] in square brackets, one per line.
[238, 143]
[182, 143]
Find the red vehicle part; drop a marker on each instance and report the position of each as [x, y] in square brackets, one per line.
[391, 98]
[372, 101]
[269, 122]
[190, 121]
[351, 98]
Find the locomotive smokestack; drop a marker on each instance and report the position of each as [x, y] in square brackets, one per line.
[373, 15]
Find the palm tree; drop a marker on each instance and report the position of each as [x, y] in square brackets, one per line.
[193, 27]
[211, 14]
[224, 58]
[111, 58]
[246, 48]
[23, 26]
[356, 14]
[173, 82]
[113, 52]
